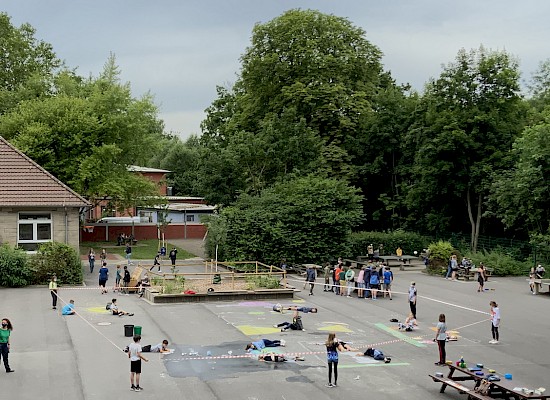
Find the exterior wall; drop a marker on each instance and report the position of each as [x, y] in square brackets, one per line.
[159, 178]
[143, 232]
[178, 217]
[9, 218]
[8, 227]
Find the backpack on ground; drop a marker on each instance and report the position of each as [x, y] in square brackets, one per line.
[108, 306]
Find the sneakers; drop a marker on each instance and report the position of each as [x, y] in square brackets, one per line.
[493, 341]
[131, 314]
[138, 389]
[132, 388]
[283, 342]
[275, 326]
[9, 370]
[329, 385]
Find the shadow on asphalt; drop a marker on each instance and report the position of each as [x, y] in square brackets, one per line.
[212, 368]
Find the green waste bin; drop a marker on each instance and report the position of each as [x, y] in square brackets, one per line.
[137, 330]
[128, 330]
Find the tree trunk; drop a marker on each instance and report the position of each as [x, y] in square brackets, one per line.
[475, 224]
[478, 224]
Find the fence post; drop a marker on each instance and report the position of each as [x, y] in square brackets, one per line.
[233, 280]
[256, 266]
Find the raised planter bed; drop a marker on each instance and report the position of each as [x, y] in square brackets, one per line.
[225, 295]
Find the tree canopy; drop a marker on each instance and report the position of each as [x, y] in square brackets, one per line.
[313, 128]
[87, 132]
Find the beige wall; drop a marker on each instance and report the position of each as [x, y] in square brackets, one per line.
[9, 217]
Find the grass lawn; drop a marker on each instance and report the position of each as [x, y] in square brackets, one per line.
[144, 250]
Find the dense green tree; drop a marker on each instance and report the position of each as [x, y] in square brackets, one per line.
[539, 86]
[522, 194]
[27, 64]
[306, 75]
[183, 159]
[381, 158]
[307, 219]
[88, 132]
[473, 112]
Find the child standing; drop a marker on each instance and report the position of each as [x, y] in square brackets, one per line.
[495, 322]
[332, 359]
[5, 332]
[91, 260]
[440, 338]
[134, 354]
[118, 277]
[481, 277]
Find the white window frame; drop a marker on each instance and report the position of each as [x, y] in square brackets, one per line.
[34, 223]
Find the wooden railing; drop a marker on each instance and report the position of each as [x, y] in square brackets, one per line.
[211, 269]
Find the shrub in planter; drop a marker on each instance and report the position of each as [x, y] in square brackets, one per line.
[262, 281]
[440, 253]
[58, 259]
[14, 267]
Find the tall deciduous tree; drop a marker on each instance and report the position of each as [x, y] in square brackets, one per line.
[522, 194]
[88, 132]
[473, 114]
[307, 79]
[26, 64]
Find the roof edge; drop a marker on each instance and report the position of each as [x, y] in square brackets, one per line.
[43, 170]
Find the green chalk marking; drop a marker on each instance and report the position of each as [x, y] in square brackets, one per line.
[399, 335]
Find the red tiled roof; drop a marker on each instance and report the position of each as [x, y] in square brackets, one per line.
[25, 183]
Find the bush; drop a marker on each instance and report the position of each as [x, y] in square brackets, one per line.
[440, 253]
[58, 259]
[262, 281]
[14, 267]
[302, 220]
[408, 241]
[501, 263]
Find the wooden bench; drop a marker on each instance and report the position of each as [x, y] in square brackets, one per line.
[472, 394]
[135, 277]
[449, 382]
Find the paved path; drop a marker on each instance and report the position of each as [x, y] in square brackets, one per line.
[193, 246]
[74, 357]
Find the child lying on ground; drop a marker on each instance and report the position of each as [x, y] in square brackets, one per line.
[376, 354]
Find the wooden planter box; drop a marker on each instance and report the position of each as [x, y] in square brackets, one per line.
[226, 295]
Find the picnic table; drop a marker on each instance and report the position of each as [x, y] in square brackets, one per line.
[404, 259]
[470, 273]
[502, 389]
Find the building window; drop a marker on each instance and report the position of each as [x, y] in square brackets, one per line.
[146, 216]
[33, 229]
[190, 218]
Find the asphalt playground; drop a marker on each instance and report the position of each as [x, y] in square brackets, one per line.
[80, 357]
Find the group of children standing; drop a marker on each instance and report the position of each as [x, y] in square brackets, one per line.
[370, 279]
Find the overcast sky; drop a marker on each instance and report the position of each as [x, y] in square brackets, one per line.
[179, 50]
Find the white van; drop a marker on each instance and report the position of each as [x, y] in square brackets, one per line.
[118, 220]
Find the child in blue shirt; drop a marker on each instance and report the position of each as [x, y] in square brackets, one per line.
[68, 309]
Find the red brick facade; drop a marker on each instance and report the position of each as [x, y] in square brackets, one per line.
[143, 232]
